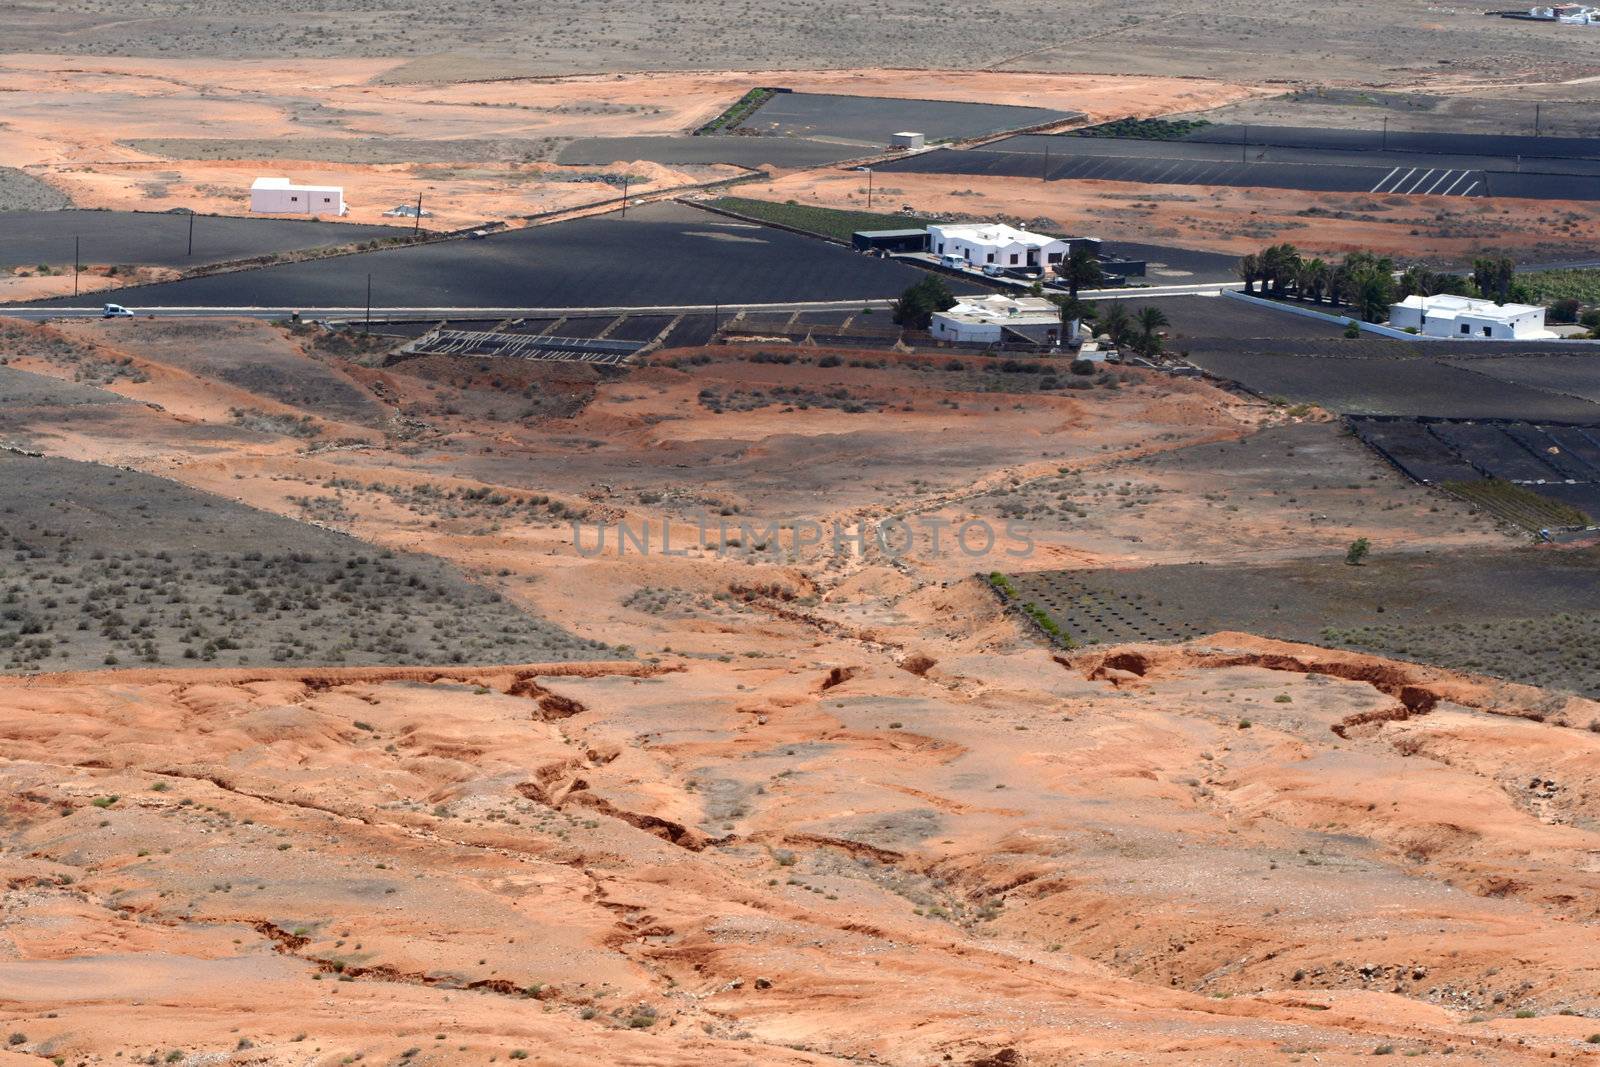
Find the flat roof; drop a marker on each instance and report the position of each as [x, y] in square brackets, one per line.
[285, 183]
[892, 233]
[1448, 303]
[1003, 310]
[994, 233]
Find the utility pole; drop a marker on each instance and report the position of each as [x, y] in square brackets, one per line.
[191, 233]
[368, 327]
[869, 188]
[1045, 176]
[1385, 141]
[625, 180]
[75, 267]
[417, 228]
[716, 319]
[1537, 119]
[1244, 146]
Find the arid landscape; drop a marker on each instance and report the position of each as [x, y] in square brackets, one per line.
[633, 637]
[811, 795]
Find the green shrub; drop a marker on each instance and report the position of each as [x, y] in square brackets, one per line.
[1146, 129]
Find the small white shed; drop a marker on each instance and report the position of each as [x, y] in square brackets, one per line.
[280, 196]
[908, 140]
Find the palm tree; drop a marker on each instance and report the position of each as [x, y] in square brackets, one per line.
[1492, 278]
[1248, 269]
[1281, 263]
[1374, 292]
[1313, 279]
[1081, 269]
[1150, 320]
[1073, 310]
[1115, 323]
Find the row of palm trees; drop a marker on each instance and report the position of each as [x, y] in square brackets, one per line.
[1363, 281]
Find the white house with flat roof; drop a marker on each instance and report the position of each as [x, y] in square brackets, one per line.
[996, 244]
[997, 318]
[1464, 317]
[280, 196]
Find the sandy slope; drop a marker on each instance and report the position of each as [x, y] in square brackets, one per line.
[844, 811]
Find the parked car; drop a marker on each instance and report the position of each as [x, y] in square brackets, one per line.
[992, 270]
[115, 311]
[952, 262]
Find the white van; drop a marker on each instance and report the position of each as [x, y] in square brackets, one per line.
[115, 311]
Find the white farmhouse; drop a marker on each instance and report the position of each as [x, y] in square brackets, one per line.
[279, 196]
[1462, 317]
[997, 318]
[996, 244]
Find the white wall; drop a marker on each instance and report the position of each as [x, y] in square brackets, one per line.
[981, 254]
[1530, 325]
[947, 329]
[297, 200]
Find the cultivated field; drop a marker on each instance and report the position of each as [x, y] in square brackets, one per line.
[1526, 616]
[867, 121]
[1325, 161]
[112, 238]
[661, 255]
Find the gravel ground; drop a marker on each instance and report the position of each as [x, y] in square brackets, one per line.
[23, 192]
[104, 567]
[349, 149]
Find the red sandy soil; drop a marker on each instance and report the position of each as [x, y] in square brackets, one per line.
[842, 810]
[67, 125]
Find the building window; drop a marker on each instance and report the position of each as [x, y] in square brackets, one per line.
[1487, 332]
[1013, 259]
[941, 246]
[1055, 257]
[991, 258]
[1466, 328]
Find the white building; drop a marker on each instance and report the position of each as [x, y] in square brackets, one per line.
[1570, 14]
[909, 140]
[1464, 316]
[279, 196]
[996, 244]
[992, 319]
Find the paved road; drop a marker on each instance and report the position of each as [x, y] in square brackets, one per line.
[356, 314]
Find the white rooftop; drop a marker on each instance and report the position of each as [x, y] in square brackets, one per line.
[1445, 305]
[996, 233]
[285, 183]
[1029, 310]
